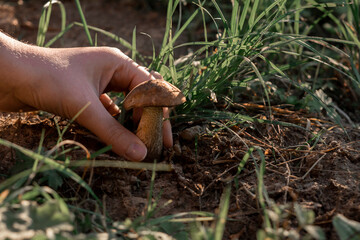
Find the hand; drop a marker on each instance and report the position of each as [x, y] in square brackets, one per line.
[63, 81]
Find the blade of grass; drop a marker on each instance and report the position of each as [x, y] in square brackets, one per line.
[297, 17]
[242, 165]
[183, 217]
[180, 14]
[243, 17]
[234, 22]
[224, 207]
[60, 139]
[83, 20]
[59, 35]
[261, 187]
[36, 160]
[254, 9]
[121, 164]
[223, 19]
[150, 206]
[171, 59]
[168, 24]
[258, 74]
[133, 46]
[204, 26]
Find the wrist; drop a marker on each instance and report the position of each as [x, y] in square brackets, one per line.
[9, 55]
[20, 72]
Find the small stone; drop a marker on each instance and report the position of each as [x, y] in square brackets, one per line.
[189, 134]
[177, 148]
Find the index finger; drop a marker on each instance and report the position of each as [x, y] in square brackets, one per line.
[128, 74]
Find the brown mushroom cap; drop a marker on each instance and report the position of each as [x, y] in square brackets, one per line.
[154, 93]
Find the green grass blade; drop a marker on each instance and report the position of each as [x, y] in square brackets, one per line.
[218, 9]
[243, 16]
[186, 24]
[83, 20]
[71, 121]
[242, 165]
[258, 74]
[204, 26]
[260, 172]
[224, 208]
[352, 35]
[168, 24]
[121, 164]
[356, 80]
[174, 6]
[253, 13]
[108, 34]
[133, 46]
[345, 228]
[63, 15]
[234, 22]
[150, 206]
[59, 35]
[171, 63]
[297, 17]
[35, 165]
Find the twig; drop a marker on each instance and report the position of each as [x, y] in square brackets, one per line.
[121, 164]
[303, 177]
[343, 114]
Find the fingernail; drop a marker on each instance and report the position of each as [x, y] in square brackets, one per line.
[136, 152]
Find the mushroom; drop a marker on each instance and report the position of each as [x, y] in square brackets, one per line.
[152, 96]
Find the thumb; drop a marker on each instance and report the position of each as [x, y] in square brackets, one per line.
[98, 120]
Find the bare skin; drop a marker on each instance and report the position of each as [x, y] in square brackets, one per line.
[62, 81]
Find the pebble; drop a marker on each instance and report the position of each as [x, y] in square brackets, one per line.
[189, 134]
[177, 148]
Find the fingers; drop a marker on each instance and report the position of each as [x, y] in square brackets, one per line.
[98, 120]
[155, 74]
[109, 105]
[128, 75]
[167, 132]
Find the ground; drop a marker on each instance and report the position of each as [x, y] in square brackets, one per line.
[316, 164]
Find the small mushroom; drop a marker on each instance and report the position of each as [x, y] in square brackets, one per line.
[152, 96]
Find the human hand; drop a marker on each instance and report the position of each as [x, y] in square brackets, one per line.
[63, 81]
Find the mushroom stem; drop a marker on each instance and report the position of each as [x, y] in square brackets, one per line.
[150, 130]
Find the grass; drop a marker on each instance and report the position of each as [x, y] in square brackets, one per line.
[260, 46]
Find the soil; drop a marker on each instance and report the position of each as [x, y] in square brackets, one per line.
[317, 166]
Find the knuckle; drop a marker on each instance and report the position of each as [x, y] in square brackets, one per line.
[114, 51]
